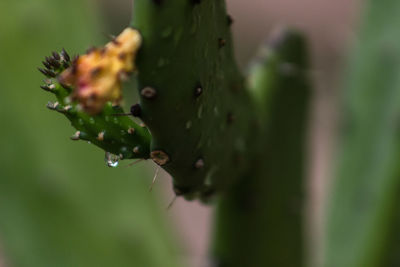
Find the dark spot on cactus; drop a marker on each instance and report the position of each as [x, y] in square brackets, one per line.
[159, 157]
[148, 92]
[136, 110]
[198, 90]
[229, 20]
[199, 164]
[221, 42]
[230, 118]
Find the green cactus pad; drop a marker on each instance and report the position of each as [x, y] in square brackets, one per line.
[108, 130]
[192, 94]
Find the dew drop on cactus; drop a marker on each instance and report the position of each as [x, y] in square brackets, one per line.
[111, 160]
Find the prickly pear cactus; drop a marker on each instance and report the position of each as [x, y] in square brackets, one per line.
[199, 114]
[88, 90]
[211, 128]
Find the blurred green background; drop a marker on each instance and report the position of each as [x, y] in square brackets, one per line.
[59, 203]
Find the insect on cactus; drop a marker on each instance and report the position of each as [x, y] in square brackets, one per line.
[215, 131]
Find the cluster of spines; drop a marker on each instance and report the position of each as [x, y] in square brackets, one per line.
[55, 64]
[108, 130]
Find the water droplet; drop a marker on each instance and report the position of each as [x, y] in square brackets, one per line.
[188, 125]
[111, 160]
[91, 120]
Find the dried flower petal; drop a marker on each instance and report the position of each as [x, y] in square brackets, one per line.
[96, 76]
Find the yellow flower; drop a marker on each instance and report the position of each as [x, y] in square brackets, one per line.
[96, 76]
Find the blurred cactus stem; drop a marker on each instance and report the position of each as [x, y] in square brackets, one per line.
[362, 214]
[260, 219]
